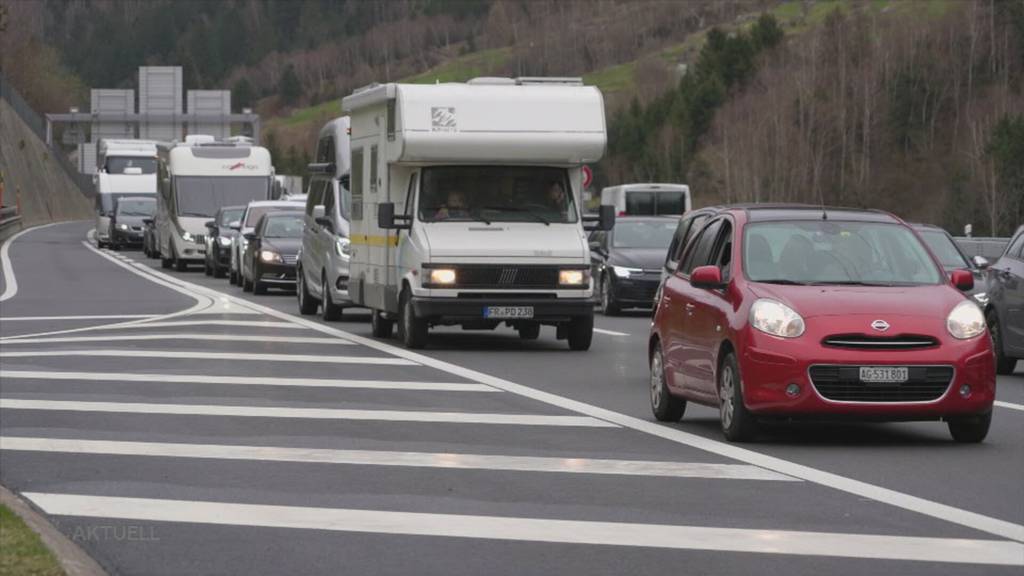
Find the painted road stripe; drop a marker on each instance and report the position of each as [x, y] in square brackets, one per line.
[310, 413]
[609, 332]
[238, 323]
[229, 356]
[248, 381]
[387, 458]
[874, 492]
[1009, 405]
[172, 336]
[42, 318]
[955, 550]
[10, 281]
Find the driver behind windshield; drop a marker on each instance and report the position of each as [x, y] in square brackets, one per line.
[454, 206]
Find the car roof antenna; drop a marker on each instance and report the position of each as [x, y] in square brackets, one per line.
[821, 199]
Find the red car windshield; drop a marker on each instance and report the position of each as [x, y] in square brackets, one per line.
[836, 252]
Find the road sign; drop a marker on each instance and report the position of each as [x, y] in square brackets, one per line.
[588, 177]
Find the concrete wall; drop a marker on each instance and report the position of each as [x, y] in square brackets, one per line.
[47, 192]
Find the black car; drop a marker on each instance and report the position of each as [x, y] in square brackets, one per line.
[126, 220]
[218, 240]
[628, 259]
[952, 257]
[1005, 311]
[272, 251]
[149, 247]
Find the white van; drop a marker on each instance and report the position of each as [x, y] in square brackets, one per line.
[323, 267]
[195, 181]
[125, 168]
[465, 205]
[648, 199]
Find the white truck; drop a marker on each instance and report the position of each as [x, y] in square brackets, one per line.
[195, 180]
[648, 199]
[125, 168]
[466, 205]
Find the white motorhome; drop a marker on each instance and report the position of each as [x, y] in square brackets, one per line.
[649, 199]
[196, 179]
[125, 168]
[465, 205]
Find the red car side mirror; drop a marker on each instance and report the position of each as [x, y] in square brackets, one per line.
[706, 277]
[963, 279]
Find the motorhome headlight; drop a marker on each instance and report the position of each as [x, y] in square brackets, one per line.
[270, 256]
[623, 272]
[965, 321]
[187, 236]
[122, 226]
[573, 277]
[775, 318]
[224, 241]
[441, 275]
[343, 247]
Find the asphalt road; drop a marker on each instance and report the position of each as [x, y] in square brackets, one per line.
[170, 424]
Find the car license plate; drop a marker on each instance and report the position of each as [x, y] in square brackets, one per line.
[888, 374]
[508, 312]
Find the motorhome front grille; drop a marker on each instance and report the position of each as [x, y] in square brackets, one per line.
[506, 277]
[867, 342]
[842, 383]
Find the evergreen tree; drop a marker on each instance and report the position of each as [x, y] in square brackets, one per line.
[289, 87]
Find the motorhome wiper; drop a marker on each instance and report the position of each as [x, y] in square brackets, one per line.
[475, 215]
[526, 211]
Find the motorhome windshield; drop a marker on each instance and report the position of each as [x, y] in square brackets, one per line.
[136, 207]
[105, 202]
[202, 196]
[654, 203]
[117, 164]
[496, 194]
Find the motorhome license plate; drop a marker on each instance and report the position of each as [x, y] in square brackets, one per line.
[508, 312]
[894, 374]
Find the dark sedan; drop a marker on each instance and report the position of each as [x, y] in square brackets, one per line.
[952, 257]
[218, 240]
[271, 252]
[126, 220]
[628, 261]
[1005, 310]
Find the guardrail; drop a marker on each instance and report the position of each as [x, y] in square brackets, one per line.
[990, 248]
[10, 222]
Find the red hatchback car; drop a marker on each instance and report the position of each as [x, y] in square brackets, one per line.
[803, 312]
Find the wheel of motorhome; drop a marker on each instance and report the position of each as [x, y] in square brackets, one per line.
[465, 205]
[380, 326]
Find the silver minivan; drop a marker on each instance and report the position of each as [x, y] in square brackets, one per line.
[323, 267]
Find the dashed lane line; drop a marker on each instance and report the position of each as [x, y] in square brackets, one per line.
[172, 336]
[248, 381]
[229, 356]
[401, 459]
[1010, 405]
[304, 413]
[780, 542]
[609, 332]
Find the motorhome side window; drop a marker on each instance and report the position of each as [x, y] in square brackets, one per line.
[373, 168]
[496, 194]
[410, 195]
[357, 184]
[316, 196]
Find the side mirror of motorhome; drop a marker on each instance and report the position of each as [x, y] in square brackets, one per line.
[211, 224]
[345, 180]
[250, 236]
[320, 217]
[605, 219]
[386, 217]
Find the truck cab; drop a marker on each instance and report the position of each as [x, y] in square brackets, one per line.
[466, 206]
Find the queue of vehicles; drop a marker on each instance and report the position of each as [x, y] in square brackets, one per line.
[430, 209]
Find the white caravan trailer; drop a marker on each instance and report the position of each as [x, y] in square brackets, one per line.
[465, 205]
[125, 168]
[648, 199]
[195, 181]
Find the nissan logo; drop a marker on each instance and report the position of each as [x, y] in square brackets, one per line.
[880, 325]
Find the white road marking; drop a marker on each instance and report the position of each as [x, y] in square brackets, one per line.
[859, 488]
[232, 323]
[389, 458]
[609, 332]
[305, 413]
[1009, 405]
[43, 318]
[230, 356]
[173, 336]
[873, 546]
[249, 381]
[10, 281]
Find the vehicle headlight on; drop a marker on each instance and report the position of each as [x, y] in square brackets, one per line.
[224, 241]
[187, 236]
[122, 226]
[775, 318]
[981, 298]
[441, 276]
[270, 256]
[343, 247]
[965, 321]
[573, 277]
[623, 272]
